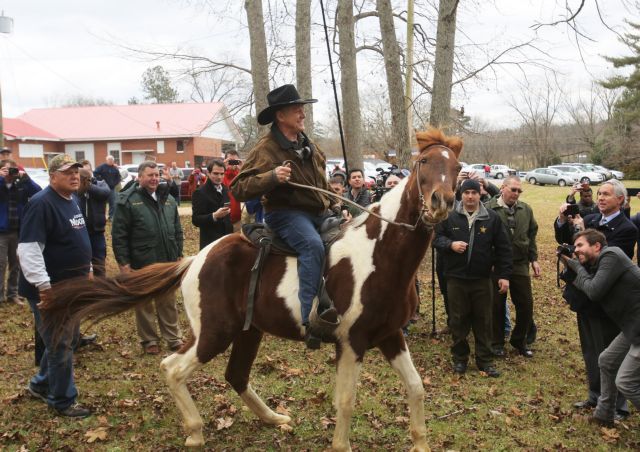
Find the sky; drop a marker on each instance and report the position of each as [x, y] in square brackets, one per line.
[66, 48]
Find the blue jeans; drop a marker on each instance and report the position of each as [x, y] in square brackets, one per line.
[299, 230]
[98, 252]
[55, 377]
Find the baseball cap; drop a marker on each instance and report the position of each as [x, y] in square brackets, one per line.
[5, 149]
[62, 163]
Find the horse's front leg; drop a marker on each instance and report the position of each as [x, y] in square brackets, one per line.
[395, 350]
[349, 365]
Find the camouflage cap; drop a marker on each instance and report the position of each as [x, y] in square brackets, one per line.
[62, 163]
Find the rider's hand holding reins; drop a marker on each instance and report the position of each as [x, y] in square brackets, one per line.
[283, 173]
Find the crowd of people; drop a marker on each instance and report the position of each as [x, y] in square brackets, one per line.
[486, 252]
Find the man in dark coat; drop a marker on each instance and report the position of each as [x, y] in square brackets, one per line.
[608, 277]
[110, 173]
[92, 198]
[473, 240]
[211, 206]
[595, 328]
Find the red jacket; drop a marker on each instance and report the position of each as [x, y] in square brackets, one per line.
[229, 175]
[195, 181]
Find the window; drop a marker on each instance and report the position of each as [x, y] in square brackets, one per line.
[79, 156]
[115, 153]
[160, 147]
[180, 146]
[30, 150]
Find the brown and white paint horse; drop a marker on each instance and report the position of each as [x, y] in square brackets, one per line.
[370, 276]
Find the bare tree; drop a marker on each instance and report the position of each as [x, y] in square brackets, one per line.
[443, 65]
[258, 50]
[394, 83]
[538, 110]
[303, 58]
[349, 84]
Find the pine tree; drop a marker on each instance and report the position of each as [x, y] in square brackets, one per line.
[156, 85]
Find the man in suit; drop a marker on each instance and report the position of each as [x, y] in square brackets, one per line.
[210, 206]
[595, 328]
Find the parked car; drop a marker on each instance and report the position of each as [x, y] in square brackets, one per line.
[544, 176]
[617, 174]
[129, 171]
[474, 167]
[501, 171]
[585, 177]
[39, 175]
[592, 168]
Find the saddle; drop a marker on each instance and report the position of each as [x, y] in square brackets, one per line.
[260, 236]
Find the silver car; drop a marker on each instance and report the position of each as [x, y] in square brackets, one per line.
[585, 177]
[544, 176]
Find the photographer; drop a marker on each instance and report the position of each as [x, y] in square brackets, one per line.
[586, 206]
[233, 167]
[595, 328]
[93, 195]
[15, 190]
[608, 277]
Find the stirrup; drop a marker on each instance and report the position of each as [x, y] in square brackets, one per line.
[325, 323]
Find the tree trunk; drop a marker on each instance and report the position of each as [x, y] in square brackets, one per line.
[1, 123]
[258, 51]
[408, 88]
[303, 58]
[349, 84]
[443, 67]
[394, 83]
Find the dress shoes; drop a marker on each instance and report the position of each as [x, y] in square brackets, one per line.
[584, 404]
[152, 349]
[490, 370]
[524, 351]
[459, 368]
[601, 422]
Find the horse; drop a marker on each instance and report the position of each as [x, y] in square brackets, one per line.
[369, 275]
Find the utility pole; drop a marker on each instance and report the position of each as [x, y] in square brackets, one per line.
[6, 26]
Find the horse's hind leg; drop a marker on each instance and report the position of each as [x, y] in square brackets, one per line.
[243, 353]
[397, 353]
[349, 365]
[177, 368]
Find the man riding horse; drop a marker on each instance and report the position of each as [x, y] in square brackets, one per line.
[294, 214]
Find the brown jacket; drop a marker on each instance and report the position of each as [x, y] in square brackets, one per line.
[258, 178]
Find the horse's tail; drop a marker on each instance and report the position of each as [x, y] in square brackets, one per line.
[99, 298]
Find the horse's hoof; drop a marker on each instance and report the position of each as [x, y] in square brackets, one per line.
[194, 441]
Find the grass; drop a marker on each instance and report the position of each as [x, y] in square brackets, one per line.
[528, 408]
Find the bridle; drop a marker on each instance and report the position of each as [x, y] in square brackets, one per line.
[425, 211]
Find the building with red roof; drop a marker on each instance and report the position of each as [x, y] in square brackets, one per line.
[186, 133]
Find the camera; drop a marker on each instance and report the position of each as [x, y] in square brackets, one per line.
[565, 250]
[13, 171]
[234, 162]
[572, 210]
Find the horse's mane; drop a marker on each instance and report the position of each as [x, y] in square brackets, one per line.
[435, 136]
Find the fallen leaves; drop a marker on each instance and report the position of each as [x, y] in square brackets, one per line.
[97, 434]
[223, 423]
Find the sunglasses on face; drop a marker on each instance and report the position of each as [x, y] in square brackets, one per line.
[515, 190]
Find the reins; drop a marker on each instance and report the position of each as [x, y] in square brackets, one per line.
[412, 227]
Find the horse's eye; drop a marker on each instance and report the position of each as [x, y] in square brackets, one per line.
[423, 161]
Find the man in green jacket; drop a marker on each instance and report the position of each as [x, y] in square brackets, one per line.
[146, 229]
[522, 229]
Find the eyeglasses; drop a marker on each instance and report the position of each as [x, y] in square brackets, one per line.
[515, 190]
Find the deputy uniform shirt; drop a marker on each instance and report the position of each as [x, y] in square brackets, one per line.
[57, 226]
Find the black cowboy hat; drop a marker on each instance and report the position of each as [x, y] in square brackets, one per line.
[278, 98]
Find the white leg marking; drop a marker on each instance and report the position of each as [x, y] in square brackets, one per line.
[177, 369]
[266, 414]
[445, 153]
[443, 177]
[346, 380]
[403, 365]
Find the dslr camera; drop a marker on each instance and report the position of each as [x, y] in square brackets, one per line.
[565, 250]
[13, 171]
[234, 162]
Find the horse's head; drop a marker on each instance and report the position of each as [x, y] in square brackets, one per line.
[434, 173]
